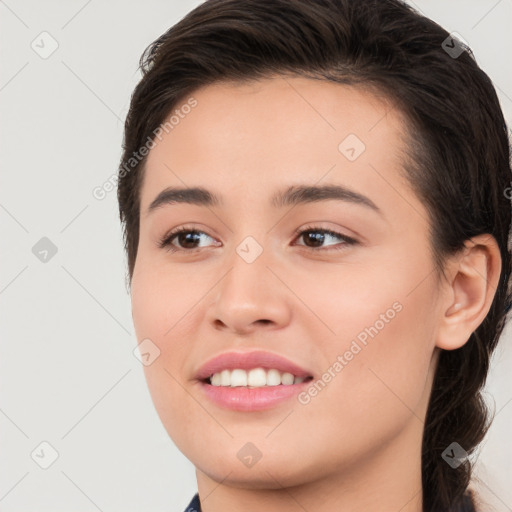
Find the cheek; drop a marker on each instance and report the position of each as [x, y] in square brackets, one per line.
[386, 384]
[373, 392]
[163, 300]
[162, 303]
[384, 321]
[167, 308]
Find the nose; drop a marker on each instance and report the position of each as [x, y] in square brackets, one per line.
[251, 297]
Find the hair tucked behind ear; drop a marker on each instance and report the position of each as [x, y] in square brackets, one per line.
[459, 152]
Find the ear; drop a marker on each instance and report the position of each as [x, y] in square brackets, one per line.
[473, 276]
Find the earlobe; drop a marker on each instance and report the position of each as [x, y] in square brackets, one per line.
[475, 275]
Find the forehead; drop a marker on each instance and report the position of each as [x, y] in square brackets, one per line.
[280, 113]
[254, 137]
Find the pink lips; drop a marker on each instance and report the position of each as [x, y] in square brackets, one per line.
[247, 399]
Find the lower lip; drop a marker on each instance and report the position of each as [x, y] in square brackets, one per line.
[241, 398]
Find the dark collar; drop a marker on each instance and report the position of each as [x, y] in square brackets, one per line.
[194, 505]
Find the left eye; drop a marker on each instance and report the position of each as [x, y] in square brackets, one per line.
[315, 237]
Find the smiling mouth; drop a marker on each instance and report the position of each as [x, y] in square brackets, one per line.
[254, 378]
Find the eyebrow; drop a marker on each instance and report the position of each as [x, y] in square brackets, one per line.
[294, 195]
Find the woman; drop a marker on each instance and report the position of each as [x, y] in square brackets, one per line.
[316, 217]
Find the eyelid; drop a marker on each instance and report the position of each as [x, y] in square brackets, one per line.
[315, 227]
[347, 240]
[166, 241]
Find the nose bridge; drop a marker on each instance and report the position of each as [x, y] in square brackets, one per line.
[249, 292]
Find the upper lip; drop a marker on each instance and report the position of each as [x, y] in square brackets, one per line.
[247, 361]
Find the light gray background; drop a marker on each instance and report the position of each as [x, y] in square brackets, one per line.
[67, 372]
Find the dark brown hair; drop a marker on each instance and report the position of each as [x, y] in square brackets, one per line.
[459, 165]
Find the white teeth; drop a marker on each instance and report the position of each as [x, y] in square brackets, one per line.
[273, 377]
[287, 379]
[225, 378]
[238, 378]
[255, 378]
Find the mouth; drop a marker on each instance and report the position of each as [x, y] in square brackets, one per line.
[254, 378]
[251, 381]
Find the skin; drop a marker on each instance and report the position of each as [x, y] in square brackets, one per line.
[357, 444]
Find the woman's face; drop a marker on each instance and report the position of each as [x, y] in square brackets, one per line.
[357, 310]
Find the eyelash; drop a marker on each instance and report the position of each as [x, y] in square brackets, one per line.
[166, 240]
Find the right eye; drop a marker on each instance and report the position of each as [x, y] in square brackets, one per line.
[185, 237]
